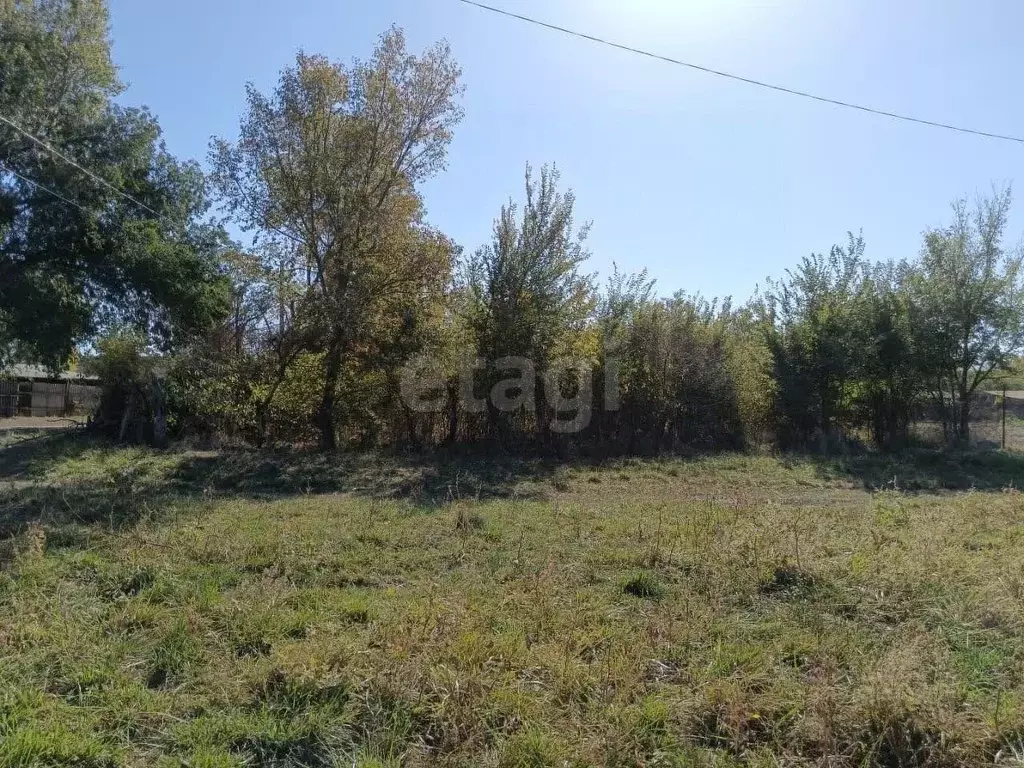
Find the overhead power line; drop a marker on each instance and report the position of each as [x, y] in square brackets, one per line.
[39, 142]
[45, 189]
[36, 140]
[740, 78]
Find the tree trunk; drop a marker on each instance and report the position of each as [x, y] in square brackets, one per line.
[325, 413]
[965, 418]
[158, 398]
[453, 411]
[410, 425]
[542, 424]
[126, 417]
[261, 424]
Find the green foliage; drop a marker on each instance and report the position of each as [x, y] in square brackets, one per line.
[676, 388]
[126, 375]
[889, 392]
[67, 270]
[307, 336]
[748, 366]
[526, 296]
[209, 395]
[327, 168]
[966, 307]
[812, 333]
[869, 348]
[644, 584]
[288, 417]
[120, 359]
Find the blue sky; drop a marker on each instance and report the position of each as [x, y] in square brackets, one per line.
[710, 184]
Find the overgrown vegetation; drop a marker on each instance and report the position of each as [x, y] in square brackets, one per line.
[351, 321]
[255, 604]
[183, 608]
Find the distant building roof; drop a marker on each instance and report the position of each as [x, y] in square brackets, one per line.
[26, 371]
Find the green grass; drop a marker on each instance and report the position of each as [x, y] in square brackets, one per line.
[233, 609]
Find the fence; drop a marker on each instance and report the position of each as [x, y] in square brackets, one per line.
[996, 421]
[46, 398]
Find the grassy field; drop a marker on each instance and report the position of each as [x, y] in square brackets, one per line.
[215, 609]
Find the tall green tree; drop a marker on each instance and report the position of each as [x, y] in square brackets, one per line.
[624, 297]
[966, 305]
[529, 298]
[889, 382]
[331, 162]
[812, 333]
[71, 266]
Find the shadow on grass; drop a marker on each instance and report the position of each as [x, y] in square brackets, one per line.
[926, 470]
[127, 491]
[22, 451]
[429, 478]
[114, 487]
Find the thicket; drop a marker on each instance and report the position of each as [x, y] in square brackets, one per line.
[352, 321]
[840, 350]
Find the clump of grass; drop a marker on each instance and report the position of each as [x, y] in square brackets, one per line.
[297, 694]
[532, 749]
[901, 738]
[253, 631]
[788, 580]
[27, 545]
[131, 583]
[372, 761]
[173, 656]
[644, 584]
[40, 745]
[467, 520]
[355, 611]
[257, 646]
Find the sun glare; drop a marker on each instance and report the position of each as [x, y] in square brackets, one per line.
[668, 19]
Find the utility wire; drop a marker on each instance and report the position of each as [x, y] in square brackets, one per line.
[49, 191]
[89, 173]
[740, 78]
[86, 171]
[547, 25]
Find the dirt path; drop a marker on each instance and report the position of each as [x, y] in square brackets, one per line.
[22, 423]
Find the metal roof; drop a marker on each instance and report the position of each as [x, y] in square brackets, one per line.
[26, 371]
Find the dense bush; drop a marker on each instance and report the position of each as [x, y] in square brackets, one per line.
[132, 399]
[833, 354]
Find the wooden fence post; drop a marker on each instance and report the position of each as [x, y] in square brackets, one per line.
[1004, 418]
